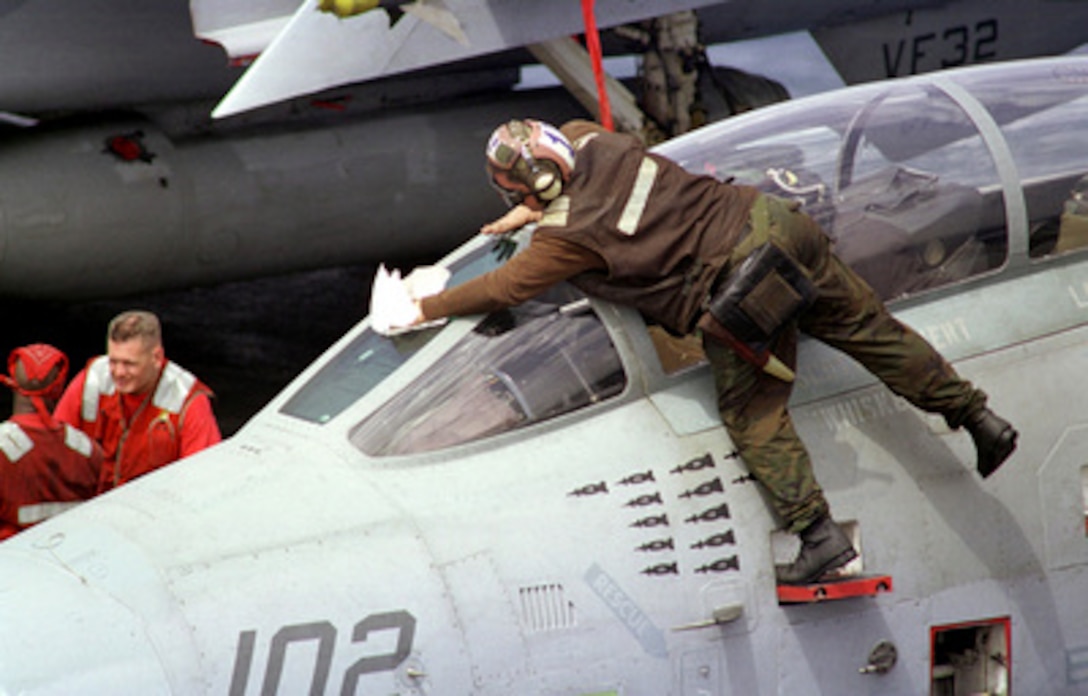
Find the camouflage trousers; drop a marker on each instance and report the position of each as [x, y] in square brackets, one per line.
[847, 315]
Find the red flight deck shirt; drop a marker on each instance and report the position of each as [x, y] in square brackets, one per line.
[140, 432]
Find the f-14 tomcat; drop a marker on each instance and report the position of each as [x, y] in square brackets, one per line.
[543, 501]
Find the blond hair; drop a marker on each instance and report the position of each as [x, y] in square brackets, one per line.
[135, 323]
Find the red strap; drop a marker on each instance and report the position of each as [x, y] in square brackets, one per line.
[593, 45]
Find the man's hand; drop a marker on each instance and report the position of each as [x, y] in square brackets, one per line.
[395, 303]
[518, 216]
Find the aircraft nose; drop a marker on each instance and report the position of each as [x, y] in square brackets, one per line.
[60, 634]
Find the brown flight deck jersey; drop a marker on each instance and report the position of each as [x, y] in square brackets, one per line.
[631, 227]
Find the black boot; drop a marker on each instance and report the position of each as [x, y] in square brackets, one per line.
[995, 439]
[824, 547]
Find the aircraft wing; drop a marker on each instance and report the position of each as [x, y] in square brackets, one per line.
[316, 51]
[243, 28]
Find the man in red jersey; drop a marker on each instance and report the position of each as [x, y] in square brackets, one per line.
[145, 410]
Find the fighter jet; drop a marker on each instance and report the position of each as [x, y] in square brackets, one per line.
[126, 185]
[543, 500]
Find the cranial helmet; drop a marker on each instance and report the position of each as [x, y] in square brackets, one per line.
[38, 371]
[528, 158]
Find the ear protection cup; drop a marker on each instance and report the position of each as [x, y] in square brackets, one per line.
[546, 183]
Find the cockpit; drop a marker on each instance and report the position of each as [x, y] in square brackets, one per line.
[922, 184]
[926, 182]
[544, 358]
[515, 367]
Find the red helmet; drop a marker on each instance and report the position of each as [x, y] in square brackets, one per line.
[38, 372]
[44, 370]
[528, 158]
